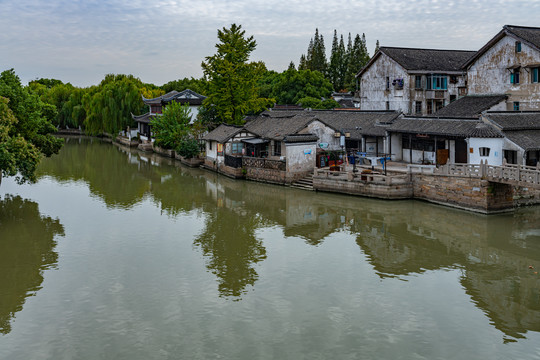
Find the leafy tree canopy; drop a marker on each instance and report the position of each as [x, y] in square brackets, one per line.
[313, 103]
[109, 106]
[232, 80]
[172, 128]
[25, 129]
[292, 85]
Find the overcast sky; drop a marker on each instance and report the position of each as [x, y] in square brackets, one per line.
[80, 41]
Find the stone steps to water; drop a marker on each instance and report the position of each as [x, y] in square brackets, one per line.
[305, 183]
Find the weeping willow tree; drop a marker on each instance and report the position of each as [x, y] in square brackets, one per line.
[109, 105]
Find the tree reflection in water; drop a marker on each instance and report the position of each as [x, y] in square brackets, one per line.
[27, 241]
[229, 243]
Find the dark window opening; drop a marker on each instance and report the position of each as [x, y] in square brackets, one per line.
[510, 156]
[518, 46]
[418, 107]
[516, 105]
[277, 148]
[484, 151]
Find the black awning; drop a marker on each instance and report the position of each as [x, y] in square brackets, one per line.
[255, 141]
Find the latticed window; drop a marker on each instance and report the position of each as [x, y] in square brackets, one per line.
[236, 148]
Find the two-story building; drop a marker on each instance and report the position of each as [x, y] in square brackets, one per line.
[414, 81]
[508, 64]
[156, 106]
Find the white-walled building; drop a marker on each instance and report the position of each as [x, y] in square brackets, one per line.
[508, 64]
[413, 81]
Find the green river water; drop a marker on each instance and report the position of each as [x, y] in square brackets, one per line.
[118, 254]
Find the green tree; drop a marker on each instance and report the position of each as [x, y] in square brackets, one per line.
[338, 63]
[16, 154]
[232, 80]
[172, 128]
[316, 56]
[292, 85]
[358, 57]
[109, 106]
[32, 124]
[313, 103]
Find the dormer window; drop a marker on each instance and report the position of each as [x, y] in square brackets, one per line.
[518, 46]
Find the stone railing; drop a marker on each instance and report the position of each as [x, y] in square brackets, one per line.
[263, 163]
[366, 177]
[507, 173]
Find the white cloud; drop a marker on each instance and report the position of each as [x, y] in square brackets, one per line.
[159, 41]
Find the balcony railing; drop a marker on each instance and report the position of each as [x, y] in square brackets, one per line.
[233, 161]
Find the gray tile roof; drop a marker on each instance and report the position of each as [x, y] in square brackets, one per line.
[144, 118]
[185, 96]
[470, 106]
[358, 123]
[509, 120]
[483, 130]
[346, 103]
[276, 128]
[528, 34]
[158, 99]
[432, 60]
[275, 113]
[526, 139]
[222, 133]
[431, 126]
[300, 138]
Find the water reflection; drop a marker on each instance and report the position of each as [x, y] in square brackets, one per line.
[27, 241]
[400, 238]
[498, 267]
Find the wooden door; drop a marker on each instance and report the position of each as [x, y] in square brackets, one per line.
[461, 151]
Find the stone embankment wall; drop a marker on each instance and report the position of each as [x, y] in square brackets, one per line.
[365, 185]
[272, 176]
[469, 193]
[235, 173]
[461, 192]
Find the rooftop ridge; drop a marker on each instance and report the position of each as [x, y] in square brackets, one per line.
[413, 48]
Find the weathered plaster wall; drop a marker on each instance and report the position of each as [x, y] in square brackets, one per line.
[489, 74]
[373, 91]
[325, 134]
[301, 157]
[211, 153]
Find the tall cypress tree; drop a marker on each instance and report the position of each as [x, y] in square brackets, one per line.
[342, 66]
[318, 59]
[335, 63]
